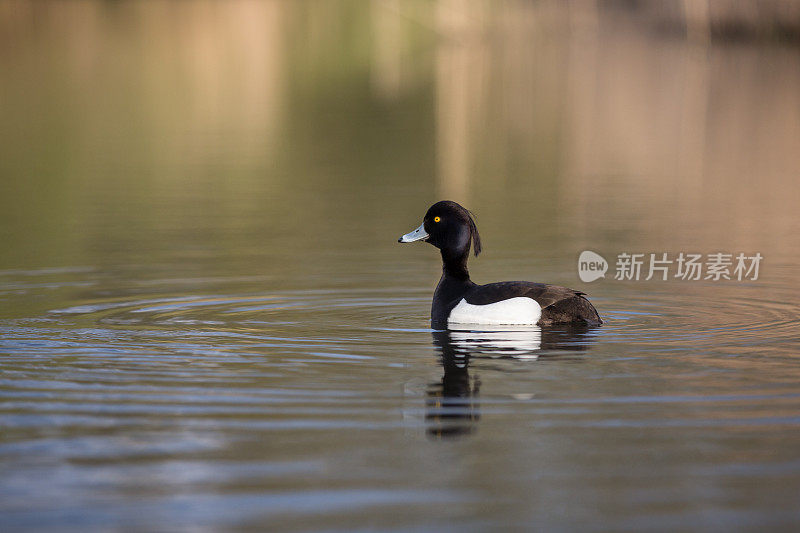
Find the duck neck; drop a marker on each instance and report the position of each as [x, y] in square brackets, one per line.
[452, 287]
[454, 265]
[455, 280]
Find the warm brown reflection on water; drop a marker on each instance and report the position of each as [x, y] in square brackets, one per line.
[205, 320]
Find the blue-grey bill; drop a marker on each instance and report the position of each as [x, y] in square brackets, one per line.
[418, 234]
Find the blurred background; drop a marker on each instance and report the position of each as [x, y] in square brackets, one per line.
[206, 321]
[175, 127]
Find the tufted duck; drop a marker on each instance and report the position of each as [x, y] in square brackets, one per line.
[457, 300]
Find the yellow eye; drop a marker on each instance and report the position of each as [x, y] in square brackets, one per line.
[437, 219]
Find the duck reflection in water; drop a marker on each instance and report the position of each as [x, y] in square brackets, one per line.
[452, 408]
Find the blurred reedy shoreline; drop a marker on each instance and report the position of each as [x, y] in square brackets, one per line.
[694, 103]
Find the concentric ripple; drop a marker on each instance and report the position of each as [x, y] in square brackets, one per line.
[239, 387]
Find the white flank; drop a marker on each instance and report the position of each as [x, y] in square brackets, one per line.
[520, 311]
